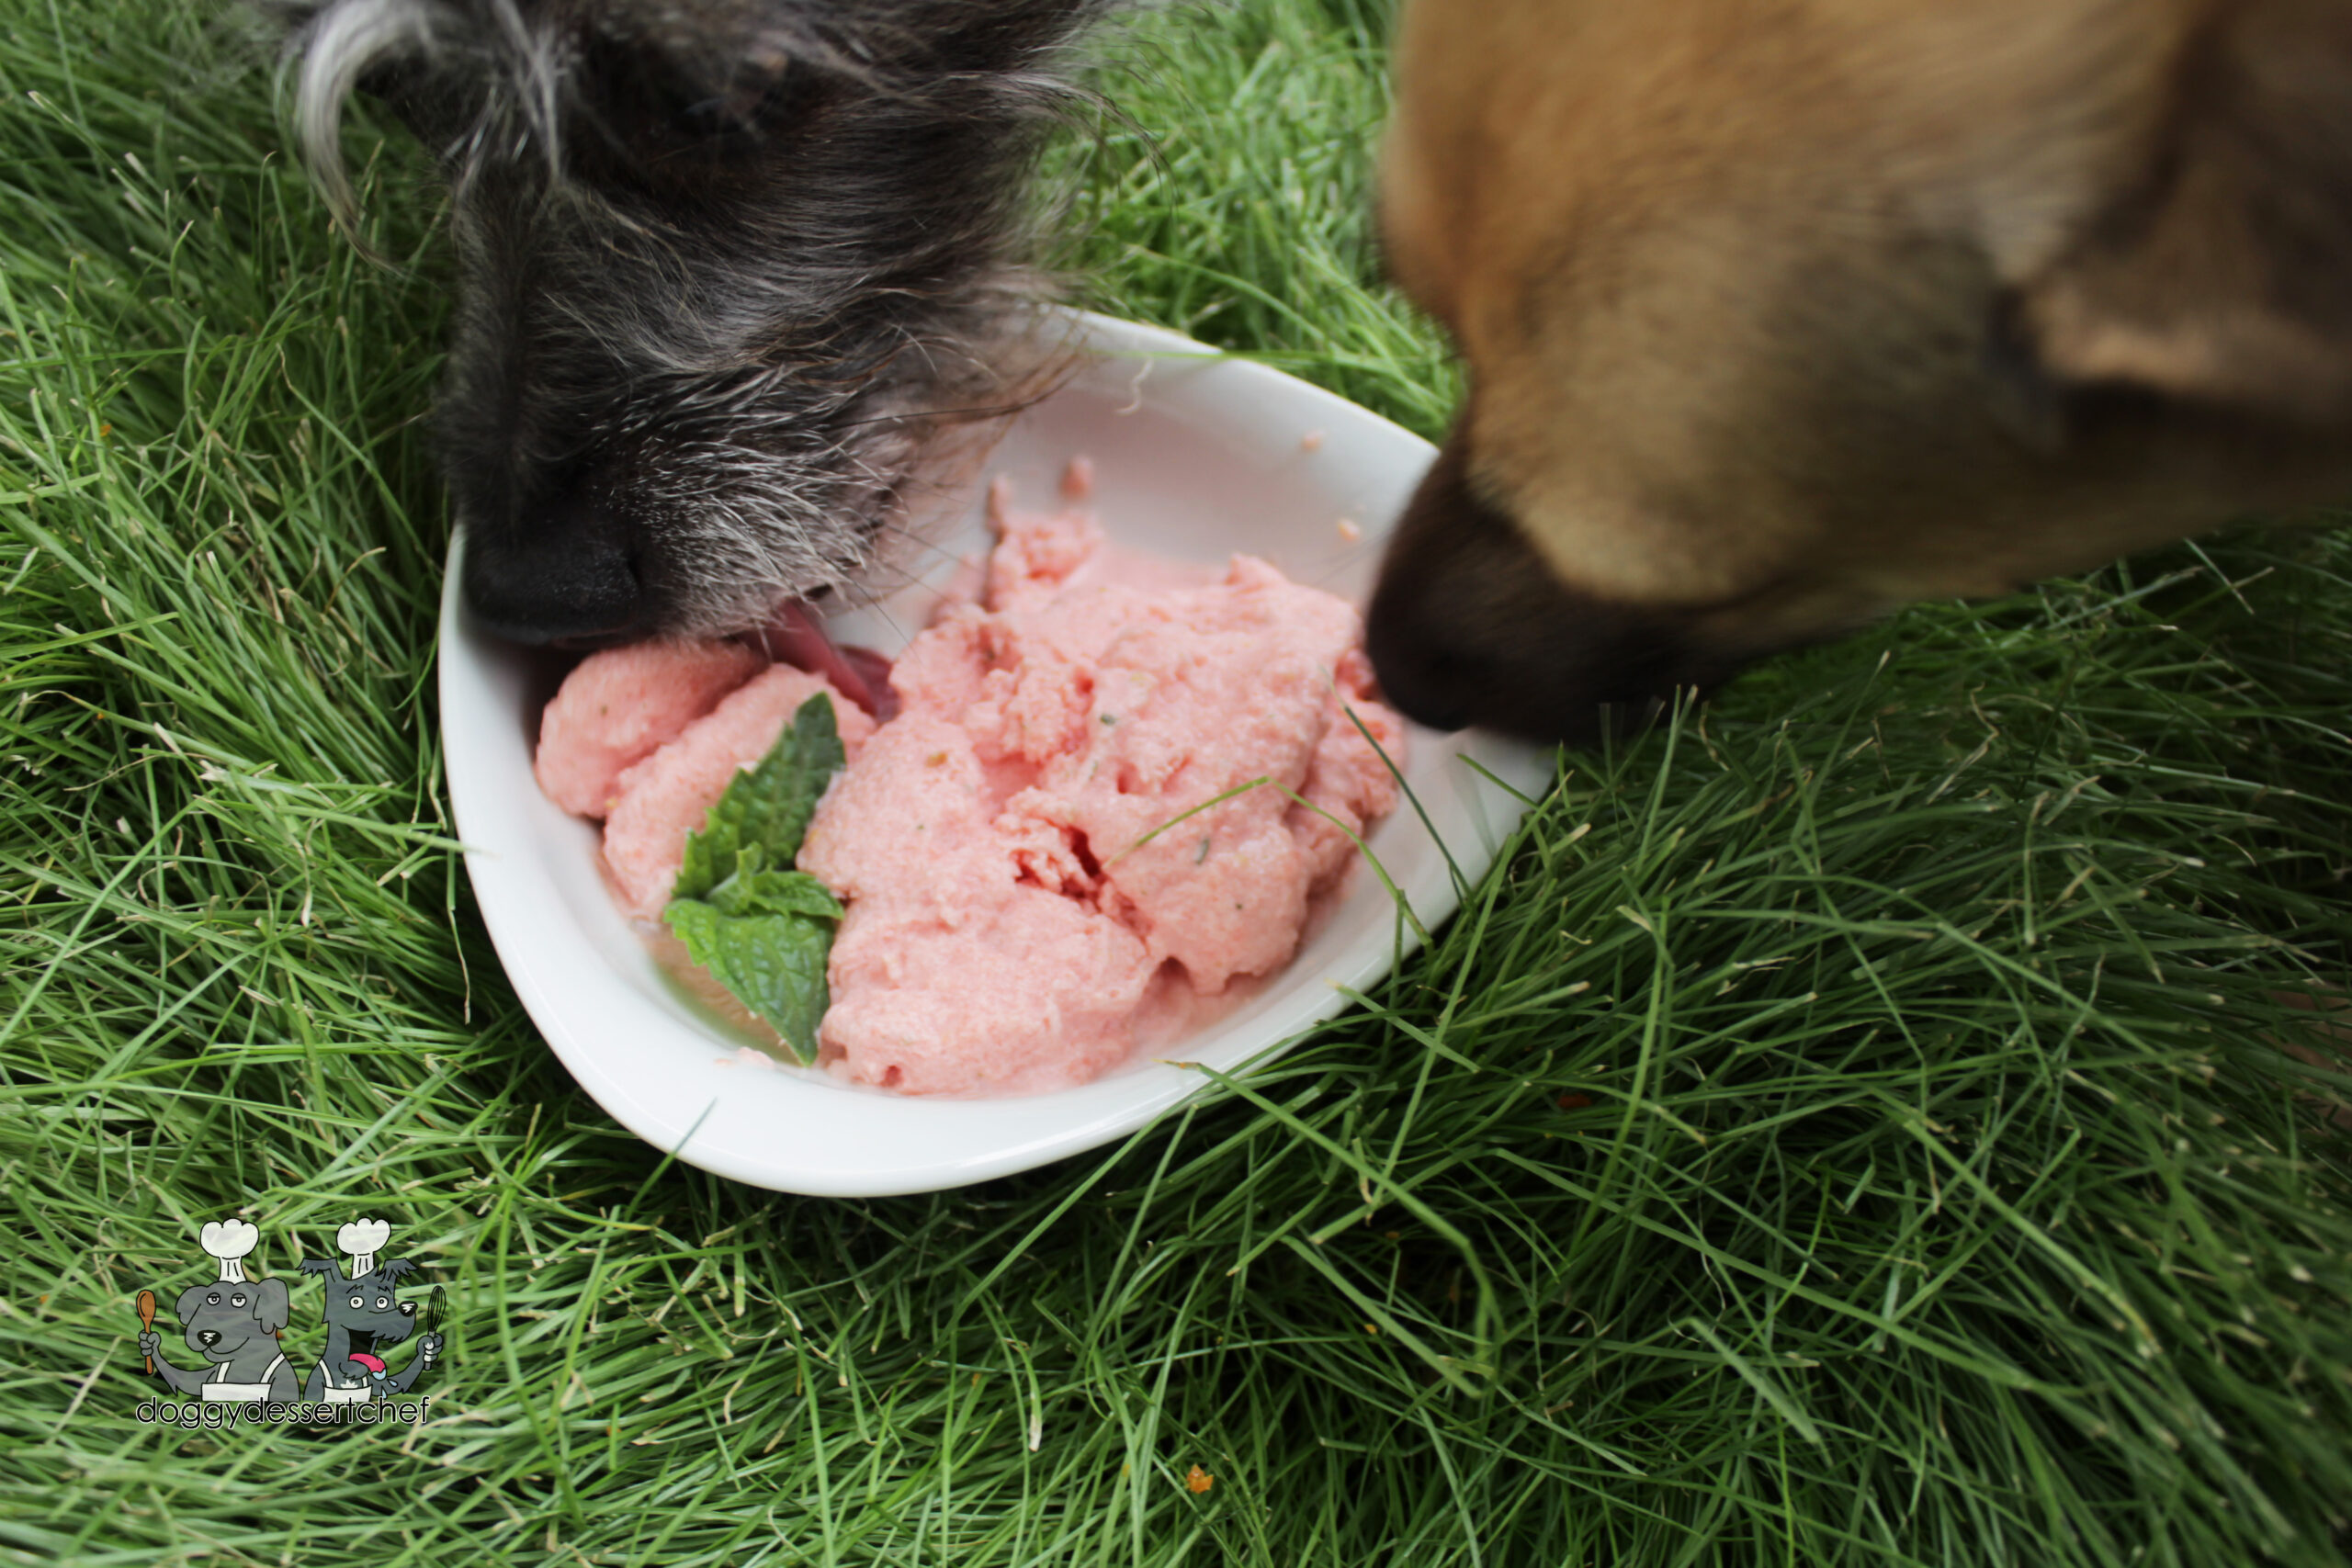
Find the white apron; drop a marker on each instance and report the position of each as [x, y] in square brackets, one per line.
[337, 1392]
[222, 1391]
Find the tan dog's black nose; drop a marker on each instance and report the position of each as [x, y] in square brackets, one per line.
[1469, 625]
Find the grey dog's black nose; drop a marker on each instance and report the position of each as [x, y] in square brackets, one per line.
[565, 571]
[208, 1337]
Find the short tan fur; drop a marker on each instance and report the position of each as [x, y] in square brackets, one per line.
[1780, 313]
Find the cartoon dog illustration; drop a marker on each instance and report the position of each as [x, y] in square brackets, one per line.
[365, 1317]
[233, 1323]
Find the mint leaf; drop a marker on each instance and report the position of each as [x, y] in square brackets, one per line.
[773, 964]
[769, 806]
[762, 929]
[757, 891]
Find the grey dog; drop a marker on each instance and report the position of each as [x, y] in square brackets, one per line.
[233, 1326]
[365, 1315]
[727, 268]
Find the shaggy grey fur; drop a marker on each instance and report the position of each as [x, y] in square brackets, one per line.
[727, 267]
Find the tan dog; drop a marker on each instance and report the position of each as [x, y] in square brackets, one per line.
[1782, 313]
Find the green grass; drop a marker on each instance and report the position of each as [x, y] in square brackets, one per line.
[1852, 1128]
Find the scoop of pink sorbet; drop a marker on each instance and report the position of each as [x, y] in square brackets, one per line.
[657, 802]
[1023, 904]
[619, 703]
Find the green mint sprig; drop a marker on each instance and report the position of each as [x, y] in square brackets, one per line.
[761, 929]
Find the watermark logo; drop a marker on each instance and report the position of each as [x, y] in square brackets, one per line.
[232, 1365]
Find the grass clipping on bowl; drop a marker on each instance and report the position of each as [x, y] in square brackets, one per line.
[761, 928]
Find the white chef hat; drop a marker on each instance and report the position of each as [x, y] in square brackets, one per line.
[362, 1238]
[230, 1240]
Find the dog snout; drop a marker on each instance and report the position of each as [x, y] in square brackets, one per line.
[568, 571]
[208, 1337]
[408, 1309]
[1469, 625]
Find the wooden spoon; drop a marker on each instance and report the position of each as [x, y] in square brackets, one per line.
[147, 1320]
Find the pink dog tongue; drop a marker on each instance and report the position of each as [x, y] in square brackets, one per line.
[797, 637]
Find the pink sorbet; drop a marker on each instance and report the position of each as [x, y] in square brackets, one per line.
[622, 703]
[1023, 910]
[659, 800]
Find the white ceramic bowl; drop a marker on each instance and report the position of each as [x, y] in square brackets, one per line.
[1196, 456]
